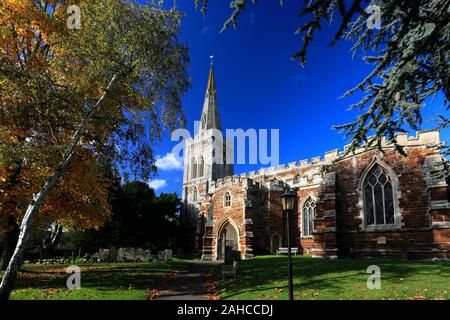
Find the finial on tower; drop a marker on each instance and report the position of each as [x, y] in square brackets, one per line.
[211, 57]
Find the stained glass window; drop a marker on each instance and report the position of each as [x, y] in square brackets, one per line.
[378, 197]
[309, 212]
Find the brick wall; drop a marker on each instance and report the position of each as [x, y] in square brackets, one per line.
[414, 232]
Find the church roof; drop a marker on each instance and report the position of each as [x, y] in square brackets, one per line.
[210, 118]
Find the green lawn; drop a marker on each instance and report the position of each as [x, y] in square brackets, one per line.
[265, 278]
[101, 281]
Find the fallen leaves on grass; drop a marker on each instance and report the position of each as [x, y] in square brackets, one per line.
[416, 297]
[152, 294]
[211, 288]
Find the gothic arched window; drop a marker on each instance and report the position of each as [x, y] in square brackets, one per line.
[308, 214]
[193, 168]
[195, 194]
[378, 197]
[227, 200]
[201, 167]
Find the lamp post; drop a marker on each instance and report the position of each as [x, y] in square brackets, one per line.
[287, 200]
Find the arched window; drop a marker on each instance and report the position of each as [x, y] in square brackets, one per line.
[201, 167]
[378, 197]
[227, 201]
[193, 168]
[195, 194]
[308, 214]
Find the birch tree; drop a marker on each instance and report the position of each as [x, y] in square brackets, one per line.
[107, 89]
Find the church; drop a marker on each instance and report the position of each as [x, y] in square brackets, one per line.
[368, 204]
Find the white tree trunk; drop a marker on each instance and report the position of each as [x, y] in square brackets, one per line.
[10, 276]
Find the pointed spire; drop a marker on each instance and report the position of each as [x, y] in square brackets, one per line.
[210, 118]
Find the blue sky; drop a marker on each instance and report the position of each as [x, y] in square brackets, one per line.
[260, 87]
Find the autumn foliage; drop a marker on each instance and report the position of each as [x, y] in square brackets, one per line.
[38, 106]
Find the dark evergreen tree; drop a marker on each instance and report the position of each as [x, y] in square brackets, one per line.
[410, 53]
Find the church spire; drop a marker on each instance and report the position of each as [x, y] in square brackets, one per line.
[210, 118]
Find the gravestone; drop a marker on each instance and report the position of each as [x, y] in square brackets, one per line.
[112, 254]
[168, 254]
[139, 254]
[147, 255]
[103, 254]
[120, 255]
[129, 254]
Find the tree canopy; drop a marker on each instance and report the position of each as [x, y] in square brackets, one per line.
[410, 53]
[139, 219]
[78, 105]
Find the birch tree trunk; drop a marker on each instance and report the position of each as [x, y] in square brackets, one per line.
[10, 275]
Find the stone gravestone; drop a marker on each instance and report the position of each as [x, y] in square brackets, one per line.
[147, 255]
[168, 254]
[120, 255]
[129, 254]
[96, 256]
[112, 254]
[161, 255]
[103, 254]
[139, 254]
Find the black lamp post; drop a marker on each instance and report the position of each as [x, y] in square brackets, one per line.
[287, 200]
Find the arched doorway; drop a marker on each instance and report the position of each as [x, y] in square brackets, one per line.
[228, 239]
[275, 243]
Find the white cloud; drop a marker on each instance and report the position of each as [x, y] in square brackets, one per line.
[169, 162]
[157, 184]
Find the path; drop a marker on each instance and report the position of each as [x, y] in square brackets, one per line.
[189, 284]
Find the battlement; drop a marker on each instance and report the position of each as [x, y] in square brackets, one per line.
[422, 138]
[241, 180]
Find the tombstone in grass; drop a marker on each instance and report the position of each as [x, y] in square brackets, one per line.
[112, 254]
[228, 254]
[120, 255]
[168, 254]
[147, 255]
[129, 254]
[96, 256]
[139, 255]
[103, 254]
[161, 255]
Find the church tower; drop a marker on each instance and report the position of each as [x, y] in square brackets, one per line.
[207, 156]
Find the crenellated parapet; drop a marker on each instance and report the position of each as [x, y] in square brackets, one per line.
[242, 181]
[422, 138]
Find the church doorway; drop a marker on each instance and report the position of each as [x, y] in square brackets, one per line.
[275, 243]
[228, 241]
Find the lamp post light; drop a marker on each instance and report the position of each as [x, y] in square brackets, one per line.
[287, 200]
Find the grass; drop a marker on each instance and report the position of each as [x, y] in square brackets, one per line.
[261, 278]
[103, 281]
[265, 278]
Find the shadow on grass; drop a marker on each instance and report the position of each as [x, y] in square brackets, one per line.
[139, 276]
[269, 274]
